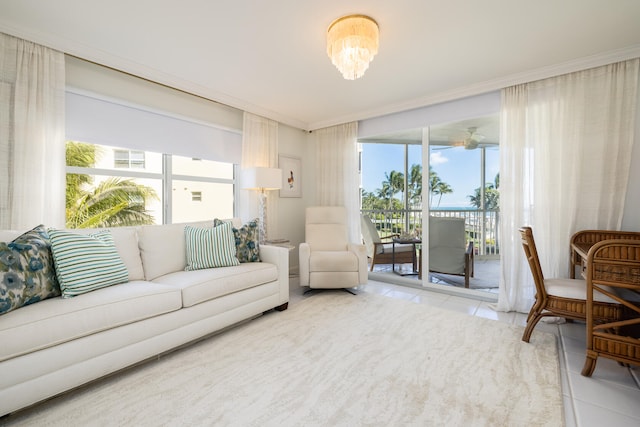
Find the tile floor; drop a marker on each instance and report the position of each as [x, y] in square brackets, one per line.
[611, 397]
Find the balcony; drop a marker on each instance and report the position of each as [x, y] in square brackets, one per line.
[481, 228]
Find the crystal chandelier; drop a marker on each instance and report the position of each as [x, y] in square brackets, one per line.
[352, 42]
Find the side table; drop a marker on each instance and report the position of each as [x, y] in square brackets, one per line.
[283, 243]
[403, 241]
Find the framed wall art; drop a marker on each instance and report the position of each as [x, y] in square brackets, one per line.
[291, 176]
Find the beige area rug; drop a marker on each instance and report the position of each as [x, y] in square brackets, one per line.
[333, 359]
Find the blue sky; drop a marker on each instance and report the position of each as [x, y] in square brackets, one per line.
[456, 166]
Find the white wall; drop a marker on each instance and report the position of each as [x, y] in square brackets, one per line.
[295, 143]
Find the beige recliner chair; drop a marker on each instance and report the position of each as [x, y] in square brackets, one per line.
[327, 259]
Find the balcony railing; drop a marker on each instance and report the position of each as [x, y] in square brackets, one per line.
[481, 226]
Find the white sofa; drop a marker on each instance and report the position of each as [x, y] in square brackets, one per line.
[60, 343]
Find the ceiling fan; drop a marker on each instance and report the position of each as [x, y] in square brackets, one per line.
[471, 141]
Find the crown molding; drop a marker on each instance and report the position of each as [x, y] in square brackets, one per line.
[117, 63]
[579, 64]
[109, 60]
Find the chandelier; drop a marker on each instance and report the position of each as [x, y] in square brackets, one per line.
[352, 42]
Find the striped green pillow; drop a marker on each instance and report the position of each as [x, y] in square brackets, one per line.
[210, 247]
[86, 262]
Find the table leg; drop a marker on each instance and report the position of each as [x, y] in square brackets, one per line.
[393, 257]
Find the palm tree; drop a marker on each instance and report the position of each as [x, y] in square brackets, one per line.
[396, 181]
[415, 185]
[437, 186]
[442, 188]
[112, 203]
[491, 195]
[385, 194]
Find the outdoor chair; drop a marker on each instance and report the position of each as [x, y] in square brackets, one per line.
[449, 252]
[381, 250]
[562, 297]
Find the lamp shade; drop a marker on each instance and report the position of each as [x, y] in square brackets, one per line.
[262, 179]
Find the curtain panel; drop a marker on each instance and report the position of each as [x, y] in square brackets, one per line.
[260, 149]
[565, 151]
[337, 181]
[32, 137]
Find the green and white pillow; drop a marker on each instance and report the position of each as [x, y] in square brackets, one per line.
[246, 238]
[86, 262]
[27, 274]
[210, 247]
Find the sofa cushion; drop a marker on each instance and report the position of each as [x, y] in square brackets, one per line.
[247, 238]
[27, 274]
[126, 241]
[58, 320]
[85, 263]
[162, 248]
[204, 285]
[210, 247]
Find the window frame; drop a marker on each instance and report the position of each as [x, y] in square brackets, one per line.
[166, 177]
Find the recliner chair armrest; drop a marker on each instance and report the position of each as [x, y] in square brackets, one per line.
[304, 253]
[361, 252]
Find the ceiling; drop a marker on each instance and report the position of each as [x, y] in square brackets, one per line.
[270, 58]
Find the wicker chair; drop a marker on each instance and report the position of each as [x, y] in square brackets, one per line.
[561, 297]
[614, 264]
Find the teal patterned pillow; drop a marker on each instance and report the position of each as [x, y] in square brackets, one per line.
[246, 238]
[209, 247]
[86, 262]
[26, 270]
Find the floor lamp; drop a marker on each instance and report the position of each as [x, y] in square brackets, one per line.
[262, 180]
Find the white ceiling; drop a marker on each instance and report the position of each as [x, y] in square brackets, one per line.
[269, 57]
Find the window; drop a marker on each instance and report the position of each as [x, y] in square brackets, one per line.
[128, 159]
[109, 186]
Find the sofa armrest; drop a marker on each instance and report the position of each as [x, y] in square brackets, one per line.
[278, 256]
[361, 253]
[304, 253]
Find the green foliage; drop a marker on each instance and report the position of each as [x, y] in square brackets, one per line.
[491, 196]
[113, 202]
[385, 198]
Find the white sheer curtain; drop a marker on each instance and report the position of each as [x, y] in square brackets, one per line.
[337, 172]
[32, 159]
[260, 149]
[565, 158]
